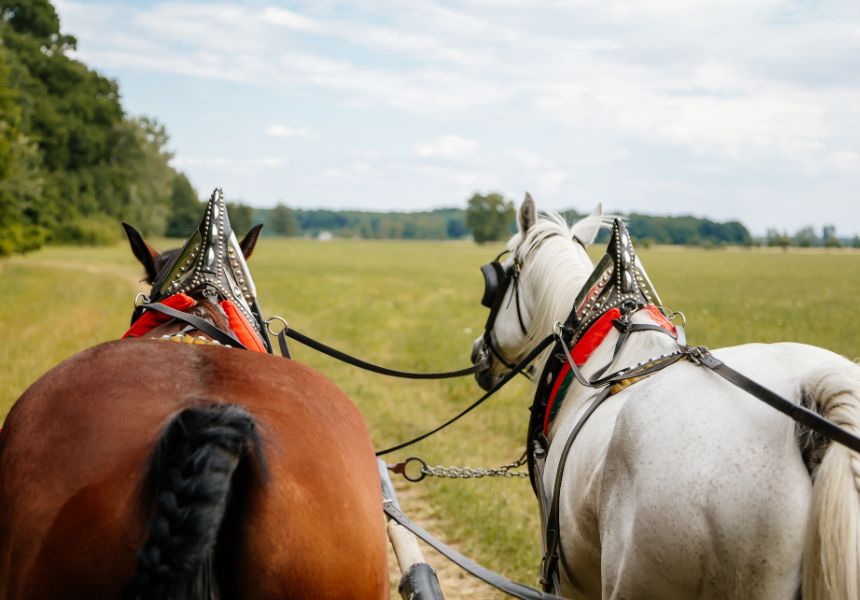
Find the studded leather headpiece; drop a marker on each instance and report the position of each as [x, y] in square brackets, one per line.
[211, 262]
[618, 281]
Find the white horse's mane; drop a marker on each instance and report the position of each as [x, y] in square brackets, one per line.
[556, 265]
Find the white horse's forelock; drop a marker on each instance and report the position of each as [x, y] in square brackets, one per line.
[555, 267]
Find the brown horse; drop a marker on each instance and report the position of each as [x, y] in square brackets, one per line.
[142, 468]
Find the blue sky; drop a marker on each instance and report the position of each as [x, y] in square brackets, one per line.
[746, 109]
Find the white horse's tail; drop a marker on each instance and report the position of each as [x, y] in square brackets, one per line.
[831, 558]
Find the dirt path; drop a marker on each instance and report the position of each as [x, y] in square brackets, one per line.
[455, 582]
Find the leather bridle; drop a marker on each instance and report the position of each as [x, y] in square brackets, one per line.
[497, 282]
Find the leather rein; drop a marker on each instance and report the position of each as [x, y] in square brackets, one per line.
[229, 339]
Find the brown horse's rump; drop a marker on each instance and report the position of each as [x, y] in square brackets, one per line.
[74, 454]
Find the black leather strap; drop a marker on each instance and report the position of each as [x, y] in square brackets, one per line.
[802, 415]
[201, 325]
[503, 584]
[508, 376]
[549, 564]
[357, 362]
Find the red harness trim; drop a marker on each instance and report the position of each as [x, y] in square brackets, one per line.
[589, 342]
[152, 319]
[238, 323]
[243, 330]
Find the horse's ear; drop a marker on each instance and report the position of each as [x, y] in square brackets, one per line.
[250, 240]
[587, 229]
[145, 253]
[528, 214]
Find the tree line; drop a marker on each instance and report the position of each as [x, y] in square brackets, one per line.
[487, 217]
[808, 237]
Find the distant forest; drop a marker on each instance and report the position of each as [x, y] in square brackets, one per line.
[450, 223]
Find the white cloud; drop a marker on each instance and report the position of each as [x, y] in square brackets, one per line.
[283, 131]
[223, 163]
[448, 146]
[289, 19]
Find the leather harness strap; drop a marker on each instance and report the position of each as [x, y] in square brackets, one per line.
[508, 376]
[549, 564]
[503, 584]
[202, 325]
[800, 414]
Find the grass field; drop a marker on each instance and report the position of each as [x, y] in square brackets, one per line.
[414, 305]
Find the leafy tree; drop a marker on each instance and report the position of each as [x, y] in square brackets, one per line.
[141, 162]
[241, 217]
[829, 238]
[35, 17]
[775, 238]
[489, 217]
[805, 237]
[185, 208]
[283, 221]
[68, 152]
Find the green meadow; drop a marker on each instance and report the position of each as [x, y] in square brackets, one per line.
[415, 306]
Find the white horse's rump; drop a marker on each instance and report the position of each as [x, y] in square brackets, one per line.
[682, 485]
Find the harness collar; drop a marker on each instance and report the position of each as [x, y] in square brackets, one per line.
[585, 347]
[239, 325]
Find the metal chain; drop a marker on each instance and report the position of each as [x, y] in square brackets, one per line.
[506, 470]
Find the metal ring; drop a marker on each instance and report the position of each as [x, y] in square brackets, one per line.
[141, 298]
[423, 472]
[557, 329]
[268, 324]
[678, 313]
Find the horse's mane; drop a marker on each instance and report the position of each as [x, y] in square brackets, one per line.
[552, 256]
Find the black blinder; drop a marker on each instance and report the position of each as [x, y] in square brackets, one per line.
[494, 278]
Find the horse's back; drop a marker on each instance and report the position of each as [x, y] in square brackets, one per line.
[698, 489]
[75, 451]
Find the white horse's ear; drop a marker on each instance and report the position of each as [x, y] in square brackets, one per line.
[528, 214]
[587, 229]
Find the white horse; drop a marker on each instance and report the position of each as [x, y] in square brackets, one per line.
[682, 485]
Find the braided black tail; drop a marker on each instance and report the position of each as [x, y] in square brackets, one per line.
[190, 478]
